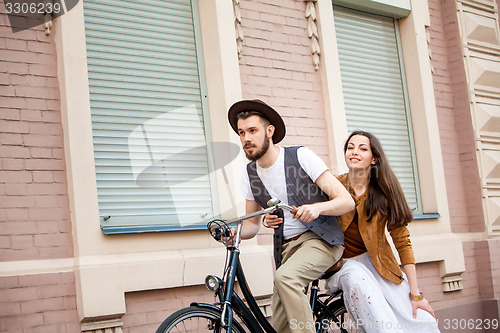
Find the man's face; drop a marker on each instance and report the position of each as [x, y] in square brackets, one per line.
[254, 136]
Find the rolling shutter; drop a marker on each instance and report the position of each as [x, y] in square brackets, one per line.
[150, 143]
[374, 92]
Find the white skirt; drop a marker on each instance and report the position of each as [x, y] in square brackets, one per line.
[376, 304]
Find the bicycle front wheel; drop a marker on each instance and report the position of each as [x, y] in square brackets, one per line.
[195, 319]
[343, 322]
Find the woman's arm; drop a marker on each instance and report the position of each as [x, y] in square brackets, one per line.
[401, 238]
[411, 274]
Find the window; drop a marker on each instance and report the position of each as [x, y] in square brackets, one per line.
[374, 90]
[149, 123]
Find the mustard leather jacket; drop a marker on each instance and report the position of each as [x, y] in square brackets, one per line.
[374, 237]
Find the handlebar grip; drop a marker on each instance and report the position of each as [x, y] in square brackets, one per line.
[294, 211]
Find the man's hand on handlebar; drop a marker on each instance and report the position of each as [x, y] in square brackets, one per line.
[307, 213]
[229, 236]
[271, 220]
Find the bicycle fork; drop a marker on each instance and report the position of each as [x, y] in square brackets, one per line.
[227, 311]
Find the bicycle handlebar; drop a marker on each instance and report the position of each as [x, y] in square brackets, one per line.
[218, 231]
[275, 204]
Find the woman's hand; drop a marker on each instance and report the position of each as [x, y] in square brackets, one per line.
[307, 213]
[422, 304]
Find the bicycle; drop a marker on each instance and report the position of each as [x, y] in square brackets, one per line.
[329, 310]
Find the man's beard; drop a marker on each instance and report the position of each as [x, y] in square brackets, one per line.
[257, 154]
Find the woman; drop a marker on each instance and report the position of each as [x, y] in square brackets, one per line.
[378, 296]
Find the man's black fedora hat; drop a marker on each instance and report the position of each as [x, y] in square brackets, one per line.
[267, 111]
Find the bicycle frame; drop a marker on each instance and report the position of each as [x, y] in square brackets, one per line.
[231, 302]
[252, 316]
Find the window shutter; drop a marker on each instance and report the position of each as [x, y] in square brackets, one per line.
[374, 92]
[150, 144]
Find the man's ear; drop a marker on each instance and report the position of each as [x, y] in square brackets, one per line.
[270, 131]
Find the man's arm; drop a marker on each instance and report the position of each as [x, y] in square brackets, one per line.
[341, 201]
[251, 226]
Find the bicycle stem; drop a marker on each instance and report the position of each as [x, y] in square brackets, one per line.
[238, 235]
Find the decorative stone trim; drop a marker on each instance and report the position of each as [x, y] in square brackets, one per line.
[479, 30]
[237, 26]
[103, 326]
[452, 283]
[312, 30]
[48, 16]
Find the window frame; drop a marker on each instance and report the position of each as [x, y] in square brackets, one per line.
[124, 228]
[418, 210]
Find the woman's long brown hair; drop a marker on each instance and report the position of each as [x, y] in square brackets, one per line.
[385, 194]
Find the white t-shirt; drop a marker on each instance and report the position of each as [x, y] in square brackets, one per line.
[274, 180]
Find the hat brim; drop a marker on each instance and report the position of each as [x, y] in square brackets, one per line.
[267, 111]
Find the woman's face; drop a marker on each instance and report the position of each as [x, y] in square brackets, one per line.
[358, 155]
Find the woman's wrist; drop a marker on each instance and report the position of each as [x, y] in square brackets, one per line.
[416, 296]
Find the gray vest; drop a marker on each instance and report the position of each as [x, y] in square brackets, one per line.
[301, 190]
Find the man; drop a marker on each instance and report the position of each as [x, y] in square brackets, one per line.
[311, 241]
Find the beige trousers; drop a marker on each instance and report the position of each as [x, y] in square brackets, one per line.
[304, 260]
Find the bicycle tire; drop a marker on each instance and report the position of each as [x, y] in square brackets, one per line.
[195, 319]
[344, 324]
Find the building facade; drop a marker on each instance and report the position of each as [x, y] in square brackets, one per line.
[116, 148]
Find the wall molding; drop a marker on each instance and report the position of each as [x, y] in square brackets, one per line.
[480, 33]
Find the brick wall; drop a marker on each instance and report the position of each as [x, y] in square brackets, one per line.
[34, 213]
[454, 119]
[276, 66]
[476, 302]
[146, 310]
[430, 283]
[38, 303]
[494, 245]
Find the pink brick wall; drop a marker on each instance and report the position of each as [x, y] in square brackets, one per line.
[276, 66]
[481, 279]
[494, 263]
[34, 213]
[454, 119]
[38, 303]
[429, 281]
[146, 310]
